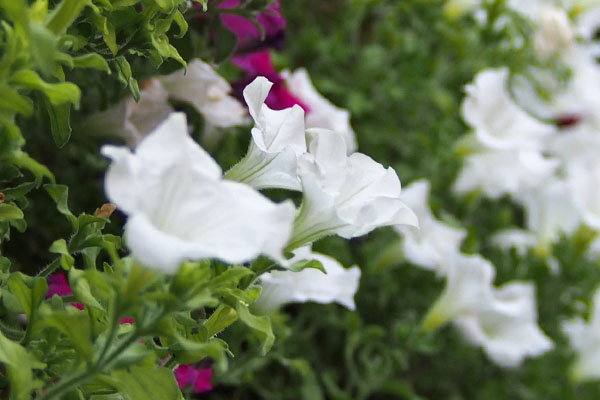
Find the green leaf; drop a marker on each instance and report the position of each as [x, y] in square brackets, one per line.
[66, 259]
[303, 264]
[58, 93]
[124, 75]
[179, 19]
[60, 195]
[19, 364]
[144, 383]
[81, 289]
[44, 47]
[231, 276]
[108, 32]
[64, 14]
[220, 319]
[260, 324]
[59, 122]
[188, 351]
[12, 100]
[9, 212]
[74, 324]
[40, 171]
[92, 60]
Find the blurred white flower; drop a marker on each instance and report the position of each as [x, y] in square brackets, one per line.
[584, 184]
[497, 173]
[278, 139]
[321, 114]
[507, 326]
[550, 211]
[497, 121]
[338, 285]
[585, 339]
[433, 242]
[133, 120]
[554, 33]
[468, 288]
[180, 208]
[345, 195]
[208, 92]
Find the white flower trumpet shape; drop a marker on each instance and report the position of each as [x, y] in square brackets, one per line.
[322, 113]
[507, 327]
[338, 285]
[430, 245]
[498, 122]
[278, 140]
[208, 92]
[501, 320]
[179, 207]
[345, 195]
[585, 339]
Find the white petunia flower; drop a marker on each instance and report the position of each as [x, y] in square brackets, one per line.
[321, 114]
[130, 120]
[345, 195]
[208, 92]
[180, 208]
[497, 121]
[278, 139]
[550, 211]
[497, 173]
[338, 285]
[506, 327]
[584, 184]
[554, 34]
[468, 288]
[430, 245]
[585, 339]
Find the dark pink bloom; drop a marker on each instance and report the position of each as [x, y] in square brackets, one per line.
[260, 64]
[271, 20]
[126, 320]
[57, 284]
[200, 379]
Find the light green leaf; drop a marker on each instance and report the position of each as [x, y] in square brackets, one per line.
[58, 93]
[19, 363]
[92, 60]
[9, 212]
[12, 100]
[66, 259]
[59, 122]
[260, 324]
[81, 289]
[145, 383]
[64, 14]
[60, 195]
[22, 159]
[73, 323]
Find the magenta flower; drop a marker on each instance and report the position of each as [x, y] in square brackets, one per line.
[200, 379]
[57, 284]
[271, 20]
[260, 64]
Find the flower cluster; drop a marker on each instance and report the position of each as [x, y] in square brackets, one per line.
[180, 205]
[541, 148]
[502, 320]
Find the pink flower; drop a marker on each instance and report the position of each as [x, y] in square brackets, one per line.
[200, 379]
[57, 284]
[270, 19]
[260, 64]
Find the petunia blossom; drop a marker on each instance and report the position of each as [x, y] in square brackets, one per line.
[132, 120]
[321, 113]
[278, 139]
[207, 91]
[345, 195]
[507, 326]
[585, 340]
[179, 208]
[433, 242]
[58, 285]
[199, 379]
[497, 121]
[337, 285]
